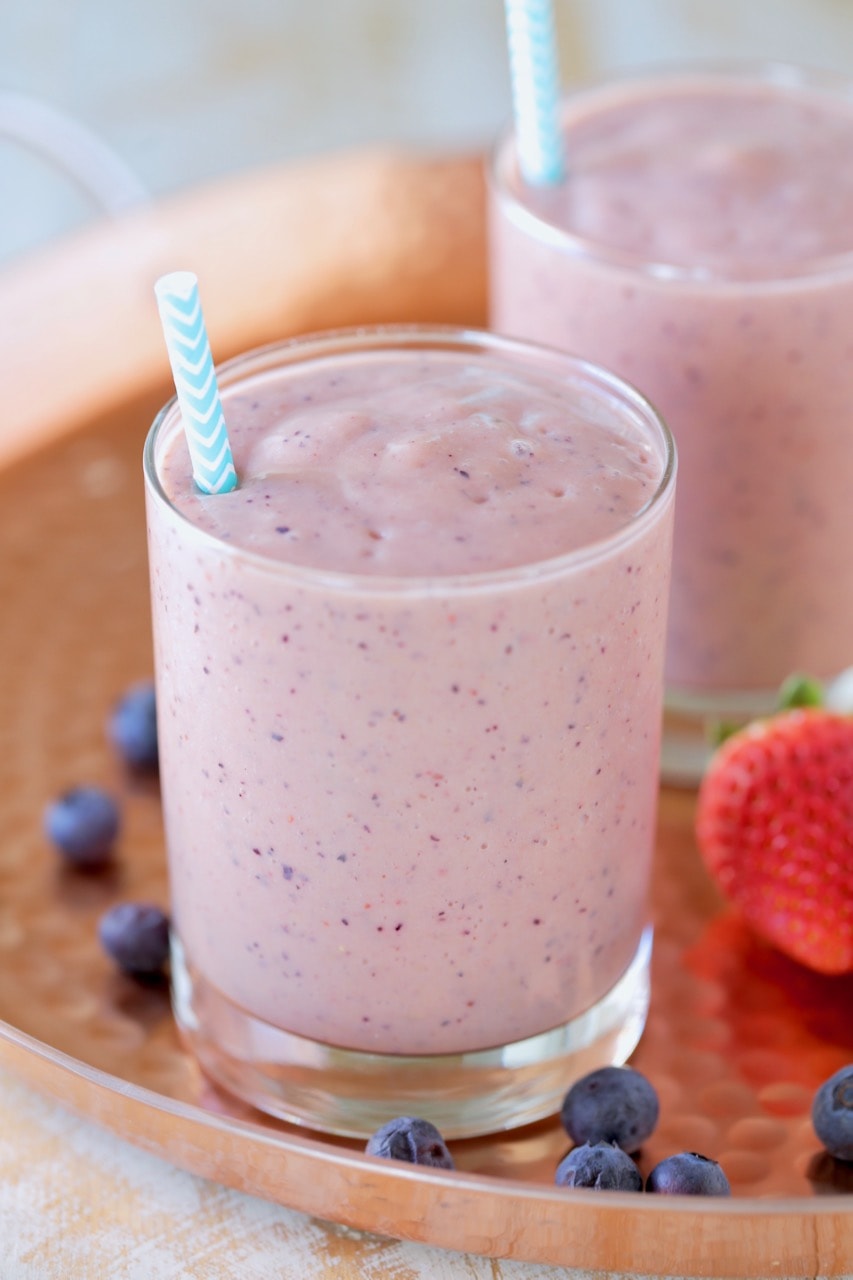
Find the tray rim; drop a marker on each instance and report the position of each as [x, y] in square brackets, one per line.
[98, 1096]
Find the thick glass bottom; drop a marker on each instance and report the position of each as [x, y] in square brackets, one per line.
[351, 1093]
[690, 723]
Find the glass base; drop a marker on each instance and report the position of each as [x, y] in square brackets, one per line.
[689, 725]
[346, 1092]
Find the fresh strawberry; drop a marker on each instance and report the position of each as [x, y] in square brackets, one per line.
[774, 823]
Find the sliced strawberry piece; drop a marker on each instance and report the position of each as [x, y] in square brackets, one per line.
[774, 823]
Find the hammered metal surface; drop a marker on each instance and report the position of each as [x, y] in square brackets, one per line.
[738, 1038]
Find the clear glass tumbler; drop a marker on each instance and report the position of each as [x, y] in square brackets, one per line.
[410, 819]
[701, 246]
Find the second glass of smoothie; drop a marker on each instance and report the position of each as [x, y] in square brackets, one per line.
[702, 246]
[409, 680]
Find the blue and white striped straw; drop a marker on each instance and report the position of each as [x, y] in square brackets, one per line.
[535, 78]
[195, 382]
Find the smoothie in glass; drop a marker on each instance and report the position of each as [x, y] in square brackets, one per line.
[702, 247]
[409, 691]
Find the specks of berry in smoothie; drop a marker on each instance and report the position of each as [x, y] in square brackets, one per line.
[522, 448]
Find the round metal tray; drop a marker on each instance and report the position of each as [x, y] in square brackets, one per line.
[737, 1040]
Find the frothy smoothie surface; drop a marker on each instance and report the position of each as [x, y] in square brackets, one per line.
[445, 464]
[740, 180]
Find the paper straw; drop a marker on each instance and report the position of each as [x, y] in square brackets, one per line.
[195, 382]
[535, 90]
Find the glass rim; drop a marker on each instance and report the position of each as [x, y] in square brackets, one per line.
[327, 344]
[509, 197]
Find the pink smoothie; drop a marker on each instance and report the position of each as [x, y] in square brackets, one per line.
[409, 687]
[702, 247]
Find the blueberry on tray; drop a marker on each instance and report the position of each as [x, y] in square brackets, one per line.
[601, 1165]
[83, 825]
[612, 1104]
[136, 936]
[412, 1139]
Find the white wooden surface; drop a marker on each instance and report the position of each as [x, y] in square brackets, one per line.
[78, 1203]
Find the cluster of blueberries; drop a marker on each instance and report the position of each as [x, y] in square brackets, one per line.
[84, 823]
[609, 1114]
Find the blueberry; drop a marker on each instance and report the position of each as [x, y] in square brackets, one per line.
[688, 1174]
[832, 1113]
[132, 727]
[601, 1165]
[136, 936]
[612, 1104]
[83, 824]
[411, 1139]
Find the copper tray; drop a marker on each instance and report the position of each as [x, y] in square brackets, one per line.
[737, 1039]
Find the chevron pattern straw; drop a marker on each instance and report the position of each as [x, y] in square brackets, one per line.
[535, 89]
[195, 382]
